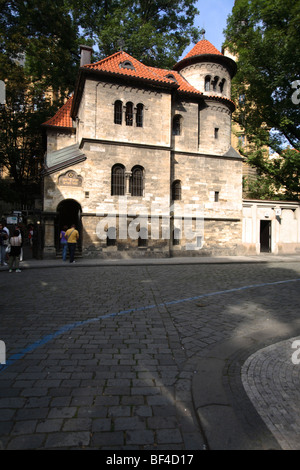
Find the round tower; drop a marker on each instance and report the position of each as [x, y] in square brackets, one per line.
[210, 72]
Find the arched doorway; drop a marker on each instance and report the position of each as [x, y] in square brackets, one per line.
[69, 212]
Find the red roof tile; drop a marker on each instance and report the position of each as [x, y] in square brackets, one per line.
[63, 116]
[201, 48]
[119, 64]
[184, 86]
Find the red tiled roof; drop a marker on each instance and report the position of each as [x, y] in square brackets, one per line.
[184, 86]
[63, 116]
[116, 64]
[201, 48]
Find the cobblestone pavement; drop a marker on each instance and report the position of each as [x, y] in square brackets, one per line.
[105, 357]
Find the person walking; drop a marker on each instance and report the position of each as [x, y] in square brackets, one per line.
[15, 251]
[3, 245]
[64, 243]
[72, 236]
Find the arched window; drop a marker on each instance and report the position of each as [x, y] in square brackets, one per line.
[118, 112]
[222, 85]
[176, 129]
[176, 190]
[136, 181]
[215, 83]
[118, 180]
[207, 83]
[129, 114]
[139, 115]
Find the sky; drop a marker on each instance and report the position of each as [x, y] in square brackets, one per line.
[213, 17]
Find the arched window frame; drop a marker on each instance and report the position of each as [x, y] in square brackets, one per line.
[207, 83]
[118, 112]
[176, 190]
[129, 113]
[139, 115]
[136, 186]
[118, 180]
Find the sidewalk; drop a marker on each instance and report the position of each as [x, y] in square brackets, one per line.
[86, 262]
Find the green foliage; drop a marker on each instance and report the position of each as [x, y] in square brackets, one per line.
[154, 32]
[39, 52]
[264, 36]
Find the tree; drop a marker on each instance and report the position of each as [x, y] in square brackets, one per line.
[264, 36]
[39, 52]
[155, 33]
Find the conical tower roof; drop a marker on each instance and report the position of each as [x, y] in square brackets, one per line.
[202, 51]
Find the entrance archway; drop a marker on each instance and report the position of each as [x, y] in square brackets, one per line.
[69, 212]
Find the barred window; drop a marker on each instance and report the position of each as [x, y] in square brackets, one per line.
[139, 115]
[136, 181]
[207, 83]
[176, 190]
[129, 114]
[118, 112]
[118, 180]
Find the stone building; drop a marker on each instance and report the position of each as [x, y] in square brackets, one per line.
[140, 159]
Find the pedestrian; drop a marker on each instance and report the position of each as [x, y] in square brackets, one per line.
[21, 235]
[3, 245]
[64, 243]
[5, 228]
[15, 251]
[72, 236]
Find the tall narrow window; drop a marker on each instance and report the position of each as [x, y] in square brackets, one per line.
[216, 132]
[139, 115]
[207, 83]
[222, 85]
[129, 114]
[136, 181]
[176, 125]
[118, 112]
[176, 190]
[215, 83]
[118, 180]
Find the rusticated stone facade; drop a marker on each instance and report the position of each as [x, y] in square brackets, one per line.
[140, 159]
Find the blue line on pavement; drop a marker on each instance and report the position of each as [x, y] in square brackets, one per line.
[72, 326]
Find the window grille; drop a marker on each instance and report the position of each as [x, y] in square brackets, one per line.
[136, 181]
[139, 115]
[118, 112]
[129, 114]
[118, 181]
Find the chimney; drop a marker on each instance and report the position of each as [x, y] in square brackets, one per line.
[85, 55]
